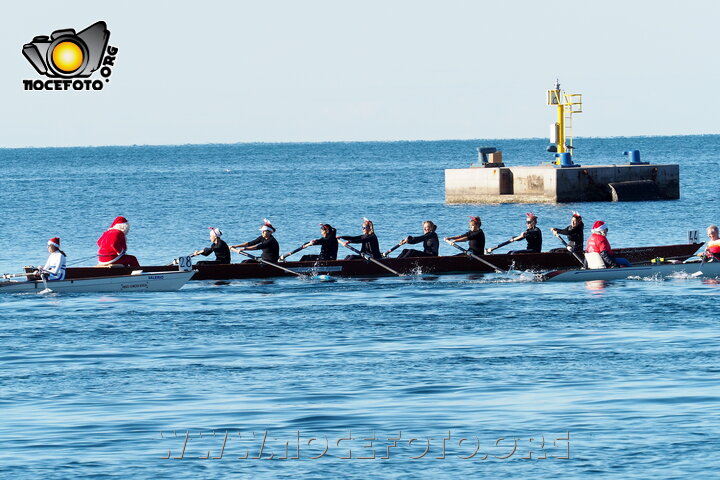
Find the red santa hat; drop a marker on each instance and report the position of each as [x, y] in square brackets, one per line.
[55, 242]
[531, 217]
[599, 226]
[118, 220]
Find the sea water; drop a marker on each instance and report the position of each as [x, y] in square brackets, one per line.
[426, 376]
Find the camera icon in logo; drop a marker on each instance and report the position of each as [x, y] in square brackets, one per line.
[67, 53]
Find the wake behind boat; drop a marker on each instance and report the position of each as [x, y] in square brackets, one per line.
[137, 281]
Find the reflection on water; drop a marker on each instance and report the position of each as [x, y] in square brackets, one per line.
[596, 286]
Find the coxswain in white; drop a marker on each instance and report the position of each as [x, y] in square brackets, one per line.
[54, 268]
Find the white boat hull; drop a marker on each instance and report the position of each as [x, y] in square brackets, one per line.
[144, 282]
[711, 269]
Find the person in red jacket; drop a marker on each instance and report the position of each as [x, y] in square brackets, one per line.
[113, 247]
[598, 243]
[712, 251]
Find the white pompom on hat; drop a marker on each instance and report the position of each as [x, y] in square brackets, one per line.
[118, 220]
[267, 226]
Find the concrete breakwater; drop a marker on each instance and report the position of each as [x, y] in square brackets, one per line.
[548, 184]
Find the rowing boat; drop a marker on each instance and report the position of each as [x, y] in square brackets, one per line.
[407, 266]
[138, 281]
[694, 269]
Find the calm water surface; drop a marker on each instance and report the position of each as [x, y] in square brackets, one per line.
[491, 367]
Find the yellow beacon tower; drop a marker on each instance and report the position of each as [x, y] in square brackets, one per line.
[561, 131]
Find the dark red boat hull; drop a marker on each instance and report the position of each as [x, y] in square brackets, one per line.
[414, 266]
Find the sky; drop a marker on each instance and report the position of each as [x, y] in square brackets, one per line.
[315, 71]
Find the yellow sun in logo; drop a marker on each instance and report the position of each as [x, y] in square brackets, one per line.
[67, 56]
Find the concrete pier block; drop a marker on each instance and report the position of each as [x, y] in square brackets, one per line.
[547, 184]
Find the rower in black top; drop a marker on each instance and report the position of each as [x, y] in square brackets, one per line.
[475, 237]
[575, 234]
[328, 245]
[429, 239]
[218, 247]
[369, 241]
[265, 242]
[532, 235]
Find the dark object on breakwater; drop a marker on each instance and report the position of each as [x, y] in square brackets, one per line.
[634, 191]
[408, 266]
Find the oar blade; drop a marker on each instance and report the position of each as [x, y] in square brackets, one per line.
[322, 278]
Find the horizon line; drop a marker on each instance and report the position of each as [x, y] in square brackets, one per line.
[320, 142]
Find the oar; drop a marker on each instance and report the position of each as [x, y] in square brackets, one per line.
[699, 272]
[241, 252]
[683, 257]
[301, 247]
[470, 254]
[391, 250]
[490, 250]
[569, 248]
[42, 277]
[14, 275]
[369, 257]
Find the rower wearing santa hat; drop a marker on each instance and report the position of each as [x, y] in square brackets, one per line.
[598, 243]
[55, 265]
[218, 246]
[265, 242]
[113, 246]
[574, 232]
[532, 235]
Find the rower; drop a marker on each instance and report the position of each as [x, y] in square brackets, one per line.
[598, 243]
[328, 244]
[475, 237]
[113, 245]
[265, 242]
[712, 251]
[532, 235]
[55, 265]
[575, 234]
[429, 239]
[368, 239]
[218, 246]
